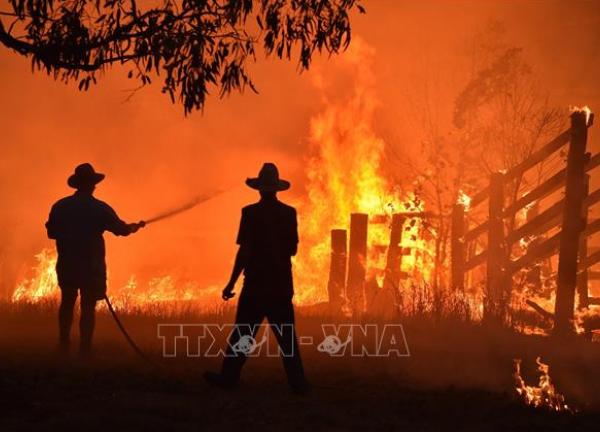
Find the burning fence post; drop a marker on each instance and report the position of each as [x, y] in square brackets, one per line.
[582, 277]
[391, 280]
[572, 225]
[496, 258]
[458, 247]
[357, 261]
[337, 268]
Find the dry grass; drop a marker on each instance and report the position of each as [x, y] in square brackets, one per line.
[459, 376]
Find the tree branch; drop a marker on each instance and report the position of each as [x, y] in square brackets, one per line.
[9, 41]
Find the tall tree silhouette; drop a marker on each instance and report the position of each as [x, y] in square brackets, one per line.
[192, 45]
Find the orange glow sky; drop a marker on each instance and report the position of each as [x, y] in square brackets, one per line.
[155, 158]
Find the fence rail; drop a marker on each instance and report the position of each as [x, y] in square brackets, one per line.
[349, 250]
[570, 213]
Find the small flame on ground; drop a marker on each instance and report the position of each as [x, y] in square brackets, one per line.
[544, 395]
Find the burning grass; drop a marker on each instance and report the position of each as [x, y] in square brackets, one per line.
[165, 296]
[161, 296]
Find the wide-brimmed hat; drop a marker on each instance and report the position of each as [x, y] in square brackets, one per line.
[84, 175]
[268, 180]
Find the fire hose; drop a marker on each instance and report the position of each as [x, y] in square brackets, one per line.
[187, 206]
[125, 333]
[161, 216]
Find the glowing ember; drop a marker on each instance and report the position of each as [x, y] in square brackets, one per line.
[544, 395]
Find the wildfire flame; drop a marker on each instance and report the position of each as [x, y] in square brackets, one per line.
[164, 290]
[544, 395]
[346, 175]
[43, 285]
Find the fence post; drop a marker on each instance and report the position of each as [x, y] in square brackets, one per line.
[571, 227]
[391, 279]
[357, 261]
[458, 247]
[337, 267]
[494, 303]
[583, 277]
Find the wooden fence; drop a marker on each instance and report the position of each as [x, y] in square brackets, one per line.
[570, 243]
[348, 267]
[348, 264]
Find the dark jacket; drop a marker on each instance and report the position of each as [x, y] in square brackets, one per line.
[77, 223]
[269, 234]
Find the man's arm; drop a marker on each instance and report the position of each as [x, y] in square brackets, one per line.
[117, 226]
[241, 258]
[238, 267]
[51, 228]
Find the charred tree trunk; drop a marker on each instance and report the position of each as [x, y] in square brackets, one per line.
[337, 268]
[357, 262]
[572, 226]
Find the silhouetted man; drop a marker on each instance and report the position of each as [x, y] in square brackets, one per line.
[267, 239]
[77, 223]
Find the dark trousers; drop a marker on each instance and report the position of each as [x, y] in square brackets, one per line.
[86, 322]
[280, 314]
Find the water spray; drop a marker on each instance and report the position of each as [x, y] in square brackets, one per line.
[183, 208]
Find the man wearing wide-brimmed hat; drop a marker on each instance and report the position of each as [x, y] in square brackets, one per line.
[77, 223]
[267, 239]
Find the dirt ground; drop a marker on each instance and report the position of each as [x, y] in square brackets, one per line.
[458, 377]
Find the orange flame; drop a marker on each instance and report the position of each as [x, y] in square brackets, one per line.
[164, 290]
[544, 395]
[586, 109]
[43, 285]
[346, 175]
